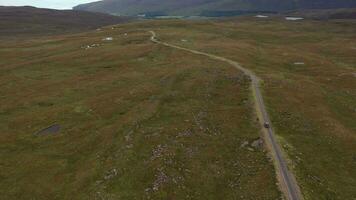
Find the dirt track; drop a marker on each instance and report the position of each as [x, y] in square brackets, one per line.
[286, 179]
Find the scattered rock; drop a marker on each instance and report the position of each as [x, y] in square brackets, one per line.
[158, 151]
[184, 40]
[80, 109]
[347, 74]
[250, 149]
[299, 63]
[90, 46]
[244, 144]
[199, 120]
[127, 138]
[161, 178]
[257, 143]
[294, 18]
[108, 39]
[185, 133]
[98, 182]
[261, 16]
[110, 174]
[190, 152]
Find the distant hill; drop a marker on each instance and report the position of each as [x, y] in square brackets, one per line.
[326, 14]
[35, 21]
[207, 7]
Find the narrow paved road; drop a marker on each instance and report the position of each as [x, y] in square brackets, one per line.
[286, 179]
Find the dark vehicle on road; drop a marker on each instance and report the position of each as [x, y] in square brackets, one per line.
[266, 125]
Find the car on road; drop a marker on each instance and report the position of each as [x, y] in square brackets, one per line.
[266, 125]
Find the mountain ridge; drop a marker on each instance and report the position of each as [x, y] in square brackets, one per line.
[197, 7]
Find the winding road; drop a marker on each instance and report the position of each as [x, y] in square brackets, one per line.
[286, 179]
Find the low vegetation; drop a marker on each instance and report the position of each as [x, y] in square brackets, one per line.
[29, 21]
[309, 74]
[87, 117]
[128, 119]
[327, 14]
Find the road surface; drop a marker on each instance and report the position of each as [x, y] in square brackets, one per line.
[286, 179]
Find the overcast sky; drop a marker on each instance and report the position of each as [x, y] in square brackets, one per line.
[57, 4]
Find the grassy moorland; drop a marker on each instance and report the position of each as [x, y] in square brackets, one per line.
[142, 121]
[309, 73]
[136, 121]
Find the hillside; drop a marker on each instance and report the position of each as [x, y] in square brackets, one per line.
[326, 14]
[206, 7]
[35, 21]
[125, 119]
[87, 118]
[108, 114]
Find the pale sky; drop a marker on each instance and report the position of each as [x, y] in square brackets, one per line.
[56, 4]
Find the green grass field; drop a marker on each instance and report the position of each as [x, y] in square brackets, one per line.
[143, 121]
